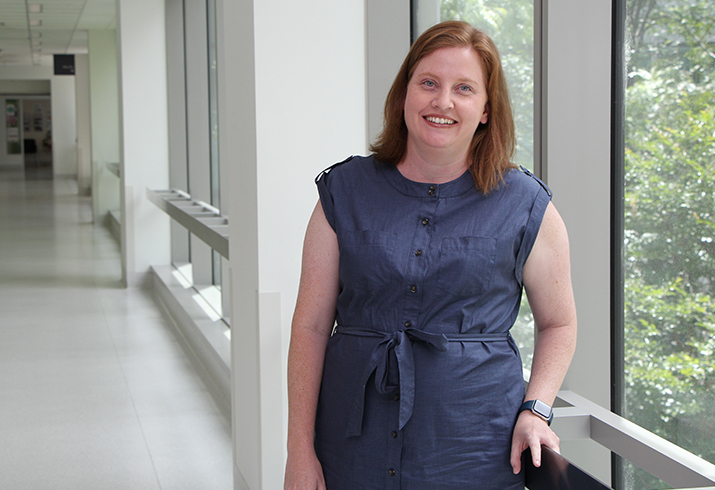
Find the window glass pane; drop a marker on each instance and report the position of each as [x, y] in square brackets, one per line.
[669, 228]
[510, 23]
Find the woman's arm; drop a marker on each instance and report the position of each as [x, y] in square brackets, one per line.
[547, 280]
[312, 323]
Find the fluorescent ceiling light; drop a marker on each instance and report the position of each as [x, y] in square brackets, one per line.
[35, 22]
[35, 8]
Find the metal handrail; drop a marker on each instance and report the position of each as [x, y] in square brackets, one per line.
[583, 419]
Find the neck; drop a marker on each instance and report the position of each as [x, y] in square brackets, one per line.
[431, 167]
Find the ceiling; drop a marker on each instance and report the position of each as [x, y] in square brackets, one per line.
[31, 31]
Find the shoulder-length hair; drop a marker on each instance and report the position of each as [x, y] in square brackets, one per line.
[492, 148]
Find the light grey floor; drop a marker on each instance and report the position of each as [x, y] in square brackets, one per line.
[95, 391]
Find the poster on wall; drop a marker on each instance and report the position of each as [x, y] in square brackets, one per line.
[13, 126]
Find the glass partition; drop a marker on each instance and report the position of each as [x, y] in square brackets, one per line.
[669, 225]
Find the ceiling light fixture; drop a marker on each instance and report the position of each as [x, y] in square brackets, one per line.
[34, 8]
[35, 22]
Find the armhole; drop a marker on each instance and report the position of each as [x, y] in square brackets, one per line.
[533, 225]
[326, 199]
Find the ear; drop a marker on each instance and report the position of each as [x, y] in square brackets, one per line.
[485, 116]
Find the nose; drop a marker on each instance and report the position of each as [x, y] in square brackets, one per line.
[443, 100]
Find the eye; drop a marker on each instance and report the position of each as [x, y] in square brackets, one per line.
[429, 83]
[464, 88]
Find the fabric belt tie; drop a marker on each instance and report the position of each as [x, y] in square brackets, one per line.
[399, 343]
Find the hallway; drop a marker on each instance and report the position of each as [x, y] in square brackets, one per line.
[95, 390]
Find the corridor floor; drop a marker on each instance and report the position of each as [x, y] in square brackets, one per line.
[95, 390]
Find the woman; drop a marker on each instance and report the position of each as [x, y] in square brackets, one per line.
[418, 255]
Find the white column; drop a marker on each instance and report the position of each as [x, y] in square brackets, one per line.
[104, 108]
[292, 101]
[84, 138]
[144, 135]
[578, 167]
[64, 125]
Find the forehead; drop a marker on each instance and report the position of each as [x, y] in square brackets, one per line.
[460, 62]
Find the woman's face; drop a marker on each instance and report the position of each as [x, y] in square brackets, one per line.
[445, 103]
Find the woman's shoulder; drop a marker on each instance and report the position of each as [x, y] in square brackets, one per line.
[522, 180]
[353, 168]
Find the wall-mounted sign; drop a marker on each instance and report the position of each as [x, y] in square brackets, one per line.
[64, 64]
[12, 115]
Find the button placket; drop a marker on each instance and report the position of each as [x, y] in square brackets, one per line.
[418, 262]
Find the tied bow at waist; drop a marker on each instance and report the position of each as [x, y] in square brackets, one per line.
[399, 345]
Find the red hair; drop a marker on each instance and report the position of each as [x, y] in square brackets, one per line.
[493, 143]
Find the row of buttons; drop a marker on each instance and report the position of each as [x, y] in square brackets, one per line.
[413, 289]
[394, 435]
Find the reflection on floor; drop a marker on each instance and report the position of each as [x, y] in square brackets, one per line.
[95, 391]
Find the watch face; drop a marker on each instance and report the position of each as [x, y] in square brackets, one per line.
[542, 409]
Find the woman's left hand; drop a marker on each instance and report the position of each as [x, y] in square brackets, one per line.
[532, 432]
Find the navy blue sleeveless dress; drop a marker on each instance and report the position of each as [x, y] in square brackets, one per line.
[422, 380]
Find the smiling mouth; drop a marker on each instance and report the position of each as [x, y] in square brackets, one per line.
[440, 120]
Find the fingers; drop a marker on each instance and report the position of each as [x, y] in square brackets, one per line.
[531, 433]
[516, 458]
[536, 454]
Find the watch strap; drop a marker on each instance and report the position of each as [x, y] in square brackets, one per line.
[538, 408]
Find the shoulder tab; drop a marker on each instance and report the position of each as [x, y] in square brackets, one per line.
[327, 170]
[528, 172]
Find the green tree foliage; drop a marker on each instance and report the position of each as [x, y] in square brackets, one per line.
[669, 221]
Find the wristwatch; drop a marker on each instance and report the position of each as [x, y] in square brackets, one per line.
[538, 408]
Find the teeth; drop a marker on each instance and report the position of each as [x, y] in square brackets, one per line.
[440, 120]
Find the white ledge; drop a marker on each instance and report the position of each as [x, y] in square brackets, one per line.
[202, 220]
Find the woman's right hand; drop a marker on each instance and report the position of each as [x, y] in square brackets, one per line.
[303, 472]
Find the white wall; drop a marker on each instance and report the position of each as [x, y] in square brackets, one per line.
[292, 86]
[104, 108]
[143, 136]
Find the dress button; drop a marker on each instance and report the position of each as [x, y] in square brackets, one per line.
[425, 221]
[408, 324]
[394, 434]
[432, 188]
[413, 289]
[418, 253]
[396, 398]
[391, 472]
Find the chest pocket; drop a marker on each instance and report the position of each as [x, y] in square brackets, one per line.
[367, 259]
[466, 265]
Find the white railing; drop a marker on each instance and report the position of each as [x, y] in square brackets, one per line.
[201, 219]
[583, 419]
